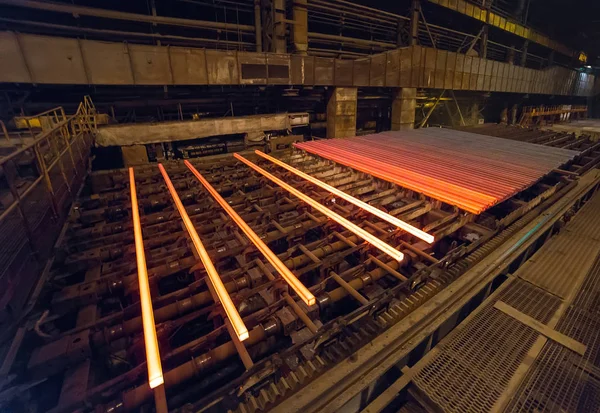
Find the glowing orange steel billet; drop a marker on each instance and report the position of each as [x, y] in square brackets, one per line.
[155, 374]
[285, 272]
[388, 249]
[232, 313]
[369, 208]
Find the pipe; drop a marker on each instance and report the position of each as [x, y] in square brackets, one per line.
[349, 198]
[215, 279]
[118, 15]
[344, 39]
[376, 242]
[155, 374]
[284, 271]
[123, 33]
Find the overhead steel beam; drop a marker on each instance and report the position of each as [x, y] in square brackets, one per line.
[119, 15]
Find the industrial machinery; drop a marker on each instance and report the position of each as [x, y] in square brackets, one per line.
[269, 274]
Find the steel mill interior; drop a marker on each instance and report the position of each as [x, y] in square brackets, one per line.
[339, 206]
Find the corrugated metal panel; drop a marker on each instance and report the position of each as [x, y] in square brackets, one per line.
[471, 171]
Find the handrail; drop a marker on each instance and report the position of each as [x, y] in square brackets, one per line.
[59, 158]
[58, 108]
[4, 130]
[43, 135]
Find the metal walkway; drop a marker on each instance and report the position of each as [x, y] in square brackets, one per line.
[534, 344]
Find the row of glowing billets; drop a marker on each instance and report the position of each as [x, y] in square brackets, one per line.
[152, 353]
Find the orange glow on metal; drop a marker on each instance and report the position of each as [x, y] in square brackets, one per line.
[285, 272]
[232, 313]
[384, 247]
[369, 208]
[155, 374]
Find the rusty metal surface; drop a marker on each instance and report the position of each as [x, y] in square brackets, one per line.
[60, 60]
[90, 305]
[586, 144]
[477, 365]
[473, 172]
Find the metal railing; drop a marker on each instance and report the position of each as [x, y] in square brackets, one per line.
[38, 183]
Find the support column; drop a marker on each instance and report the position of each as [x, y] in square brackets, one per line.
[504, 116]
[414, 22]
[474, 114]
[341, 112]
[399, 28]
[483, 42]
[487, 5]
[258, 31]
[513, 114]
[524, 53]
[274, 26]
[300, 26]
[510, 55]
[403, 108]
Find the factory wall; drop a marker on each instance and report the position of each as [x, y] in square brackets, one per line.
[54, 60]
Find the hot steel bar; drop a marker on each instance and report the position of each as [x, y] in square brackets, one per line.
[155, 374]
[384, 247]
[215, 279]
[471, 171]
[285, 272]
[369, 208]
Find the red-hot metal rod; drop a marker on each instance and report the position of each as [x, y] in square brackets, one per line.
[384, 247]
[492, 176]
[383, 159]
[155, 374]
[418, 179]
[369, 208]
[374, 169]
[232, 313]
[456, 167]
[281, 268]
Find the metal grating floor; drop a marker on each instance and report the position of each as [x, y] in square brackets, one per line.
[473, 366]
[562, 380]
[472, 370]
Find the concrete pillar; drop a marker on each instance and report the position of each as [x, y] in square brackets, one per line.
[341, 112]
[300, 26]
[403, 108]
